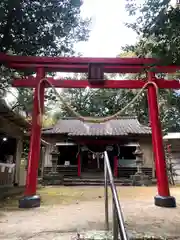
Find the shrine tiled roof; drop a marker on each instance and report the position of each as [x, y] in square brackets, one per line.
[123, 126]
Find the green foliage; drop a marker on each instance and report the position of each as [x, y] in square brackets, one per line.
[102, 102]
[170, 111]
[171, 172]
[24, 101]
[25, 149]
[31, 27]
[157, 24]
[44, 28]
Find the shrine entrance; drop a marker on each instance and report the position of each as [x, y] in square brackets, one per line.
[95, 67]
[92, 162]
[92, 158]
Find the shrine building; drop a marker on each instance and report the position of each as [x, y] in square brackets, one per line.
[80, 148]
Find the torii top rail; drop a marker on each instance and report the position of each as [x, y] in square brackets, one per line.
[95, 67]
[81, 65]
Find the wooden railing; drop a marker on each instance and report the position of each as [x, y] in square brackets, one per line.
[7, 172]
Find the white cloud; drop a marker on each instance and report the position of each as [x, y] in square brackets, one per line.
[108, 33]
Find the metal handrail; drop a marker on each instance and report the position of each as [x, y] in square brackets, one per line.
[118, 220]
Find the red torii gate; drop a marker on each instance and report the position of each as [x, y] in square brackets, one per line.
[96, 67]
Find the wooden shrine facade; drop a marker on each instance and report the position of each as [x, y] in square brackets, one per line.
[80, 146]
[13, 128]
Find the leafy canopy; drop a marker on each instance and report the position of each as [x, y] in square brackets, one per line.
[157, 23]
[31, 27]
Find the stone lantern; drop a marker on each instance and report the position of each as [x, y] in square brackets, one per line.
[139, 178]
[139, 160]
[53, 177]
[55, 154]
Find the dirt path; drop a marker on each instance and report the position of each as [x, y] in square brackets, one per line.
[66, 211]
[57, 222]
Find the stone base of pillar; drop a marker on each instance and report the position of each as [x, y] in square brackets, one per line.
[30, 202]
[168, 202]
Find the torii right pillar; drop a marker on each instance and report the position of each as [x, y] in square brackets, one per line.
[163, 198]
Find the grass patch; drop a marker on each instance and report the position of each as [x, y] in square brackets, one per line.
[70, 195]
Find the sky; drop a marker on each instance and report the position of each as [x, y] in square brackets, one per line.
[108, 32]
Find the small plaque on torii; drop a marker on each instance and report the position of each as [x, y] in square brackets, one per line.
[96, 73]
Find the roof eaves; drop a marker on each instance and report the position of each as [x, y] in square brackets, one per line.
[13, 116]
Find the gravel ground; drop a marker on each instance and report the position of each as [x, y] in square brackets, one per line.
[64, 221]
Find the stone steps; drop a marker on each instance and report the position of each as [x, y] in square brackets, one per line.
[93, 182]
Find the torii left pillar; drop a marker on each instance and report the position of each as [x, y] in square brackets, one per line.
[30, 199]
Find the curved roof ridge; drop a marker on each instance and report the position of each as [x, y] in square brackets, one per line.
[116, 127]
[116, 118]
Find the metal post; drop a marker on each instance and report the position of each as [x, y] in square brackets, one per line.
[115, 222]
[116, 200]
[97, 158]
[106, 196]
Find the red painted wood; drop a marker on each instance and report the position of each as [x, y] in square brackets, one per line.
[80, 64]
[76, 68]
[167, 84]
[115, 166]
[84, 68]
[169, 148]
[76, 60]
[34, 151]
[131, 84]
[32, 82]
[79, 165]
[161, 174]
